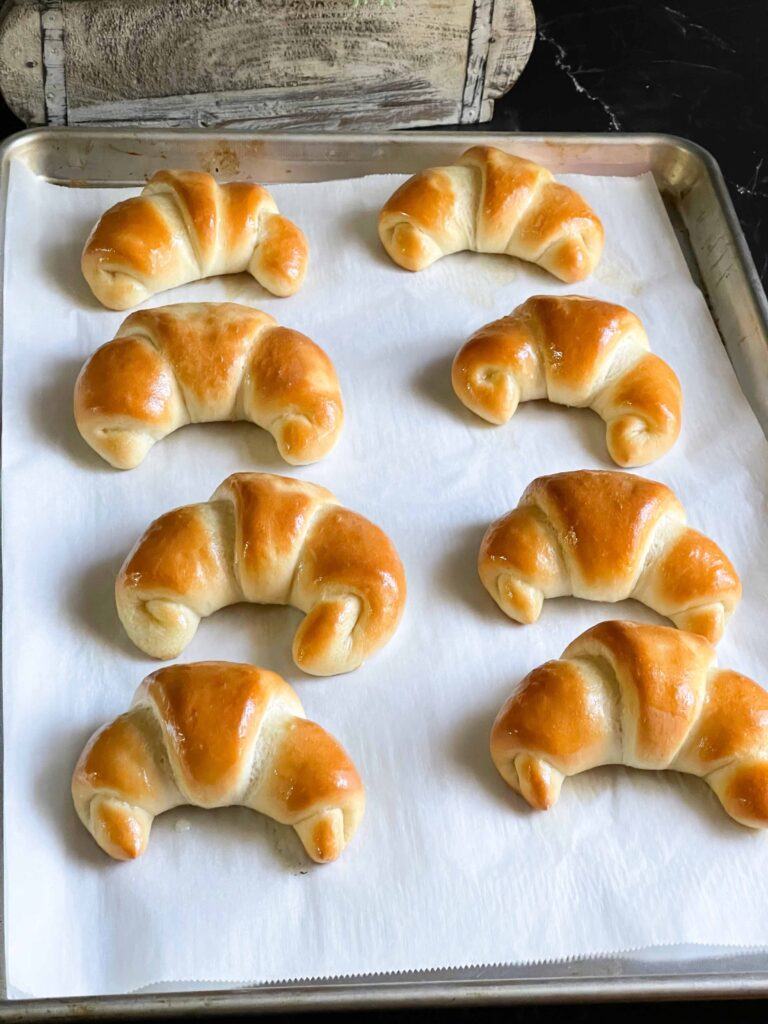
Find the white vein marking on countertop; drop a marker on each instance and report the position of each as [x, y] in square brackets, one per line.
[561, 61]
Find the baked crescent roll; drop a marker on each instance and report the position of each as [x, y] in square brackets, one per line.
[490, 201]
[185, 226]
[215, 734]
[644, 696]
[579, 352]
[206, 362]
[607, 536]
[268, 540]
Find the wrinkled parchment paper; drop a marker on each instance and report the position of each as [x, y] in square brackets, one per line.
[449, 867]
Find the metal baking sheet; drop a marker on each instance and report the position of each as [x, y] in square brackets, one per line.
[694, 192]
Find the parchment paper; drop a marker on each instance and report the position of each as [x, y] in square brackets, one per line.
[449, 867]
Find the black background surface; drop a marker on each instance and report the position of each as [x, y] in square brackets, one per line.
[694, 68]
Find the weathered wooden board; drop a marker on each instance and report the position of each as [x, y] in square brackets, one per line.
[261, 63]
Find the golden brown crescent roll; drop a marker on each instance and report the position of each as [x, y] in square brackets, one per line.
[579, 352]
[185, 226]
[206, 362]
[490, 201]
[645, 696]
[215, 734]
[607, 536]
[268, 540]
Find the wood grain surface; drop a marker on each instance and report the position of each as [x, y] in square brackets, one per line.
[261, 63]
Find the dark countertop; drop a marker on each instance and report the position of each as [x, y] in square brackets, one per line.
[693, 68]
